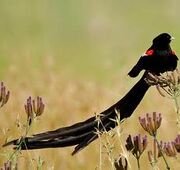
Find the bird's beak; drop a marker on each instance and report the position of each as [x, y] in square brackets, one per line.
[172, 38]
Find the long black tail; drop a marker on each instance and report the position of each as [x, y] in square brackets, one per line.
[83, 133]
[134, 72]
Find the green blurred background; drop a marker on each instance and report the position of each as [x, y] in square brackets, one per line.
[92, 39]
[76, 54]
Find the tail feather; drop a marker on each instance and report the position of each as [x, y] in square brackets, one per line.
[77, 128]
[83, 133]
[54, 143]
[137, 68]
[85, 143]
[69, 140]
[89, 139]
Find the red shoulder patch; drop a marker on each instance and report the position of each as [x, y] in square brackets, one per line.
[173, 52]
[149, 52]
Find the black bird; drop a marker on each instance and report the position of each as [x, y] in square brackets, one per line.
[158, 58]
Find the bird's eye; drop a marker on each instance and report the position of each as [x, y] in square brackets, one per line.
[169, 37]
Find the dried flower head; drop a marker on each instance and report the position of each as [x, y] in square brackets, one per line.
[4, 95]
[9, 166]
[151, 123]
[34, 108]
[28, 108]
[121, 163]
[150, 156]
[177, 143]
[167, 84]
[136, 145]
[168, 148]
[38, 106]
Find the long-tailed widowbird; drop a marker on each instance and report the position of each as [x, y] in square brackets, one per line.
[159, 58]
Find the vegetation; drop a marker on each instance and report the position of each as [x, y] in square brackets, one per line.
[76, 55]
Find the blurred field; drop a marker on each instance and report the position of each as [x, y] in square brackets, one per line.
[76, 55]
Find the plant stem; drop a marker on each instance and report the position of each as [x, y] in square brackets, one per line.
[138, 163]
[18, 149]
[167, 166]
[177, 112]
[154, 151]
[100, 153]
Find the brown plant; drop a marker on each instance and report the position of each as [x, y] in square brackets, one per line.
[151, 123]
[34, 108]
[177, 143]
[168, 148]
[4, 95]
[136, 146]
[121, 163]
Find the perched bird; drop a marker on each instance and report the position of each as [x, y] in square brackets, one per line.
[158, 58]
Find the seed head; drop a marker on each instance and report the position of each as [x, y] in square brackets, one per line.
[34, 108]
[38, 106]
[177, 143]
[4, 95]
[168, 148]
[150, 156]
[136, 145]
[121, 163]
[29, 109]
[9, 166]
[151, 123]
[167, 84]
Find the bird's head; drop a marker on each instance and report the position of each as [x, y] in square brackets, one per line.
[162, 41]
